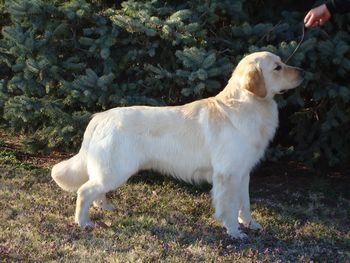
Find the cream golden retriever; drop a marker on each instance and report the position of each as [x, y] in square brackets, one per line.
[218, 140]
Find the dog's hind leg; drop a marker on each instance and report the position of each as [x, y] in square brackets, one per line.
[87, 193]
[94, 191]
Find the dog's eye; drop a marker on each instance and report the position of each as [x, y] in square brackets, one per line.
[278, 68]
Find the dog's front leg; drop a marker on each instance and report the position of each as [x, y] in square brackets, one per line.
[244, 215]
[226, 199]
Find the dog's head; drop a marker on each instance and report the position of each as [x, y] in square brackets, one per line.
[264, 75]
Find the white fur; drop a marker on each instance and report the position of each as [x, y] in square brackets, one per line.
[218, 140]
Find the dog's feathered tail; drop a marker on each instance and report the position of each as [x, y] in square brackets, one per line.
[70, 174]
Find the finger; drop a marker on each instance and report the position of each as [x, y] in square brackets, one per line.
[307, 17]
[311, 21]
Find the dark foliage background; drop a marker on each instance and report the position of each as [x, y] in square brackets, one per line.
[61, 61]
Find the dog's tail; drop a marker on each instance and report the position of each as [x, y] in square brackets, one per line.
[70, 174]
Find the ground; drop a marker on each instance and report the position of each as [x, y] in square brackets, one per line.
[304, 213]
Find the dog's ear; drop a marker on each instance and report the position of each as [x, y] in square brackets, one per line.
[254, 81]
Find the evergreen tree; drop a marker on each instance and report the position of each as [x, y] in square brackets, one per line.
[61, 61]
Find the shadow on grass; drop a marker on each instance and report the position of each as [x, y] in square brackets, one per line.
[303, 233]
[154, 178]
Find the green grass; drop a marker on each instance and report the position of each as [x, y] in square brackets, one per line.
[159, 219]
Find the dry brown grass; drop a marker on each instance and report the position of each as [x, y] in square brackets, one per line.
[158, 219]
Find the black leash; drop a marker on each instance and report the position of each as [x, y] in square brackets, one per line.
[297, 47]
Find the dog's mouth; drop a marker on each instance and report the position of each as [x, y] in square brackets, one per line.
[301, 79]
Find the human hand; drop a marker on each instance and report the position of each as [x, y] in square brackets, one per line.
[317, 16]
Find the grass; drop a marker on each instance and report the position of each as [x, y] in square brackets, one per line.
[305, 218]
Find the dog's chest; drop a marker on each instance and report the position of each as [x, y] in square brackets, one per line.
[257, 125]
[265, 126]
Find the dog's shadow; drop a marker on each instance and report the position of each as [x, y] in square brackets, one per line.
[187, 230]
[154, 178]
[179, 227]
[193, 229]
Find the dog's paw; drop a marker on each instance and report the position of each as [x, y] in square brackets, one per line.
[254, 225]
[87, 225]
[237, 234]
[109, 207]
